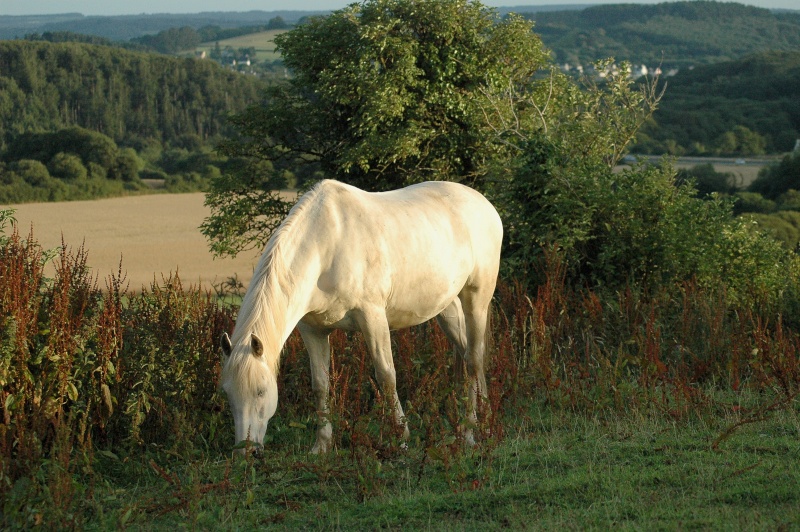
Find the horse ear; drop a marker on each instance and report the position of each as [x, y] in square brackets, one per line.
[256, 346]
[225, 344]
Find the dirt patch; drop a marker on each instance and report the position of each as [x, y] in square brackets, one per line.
[152, 234]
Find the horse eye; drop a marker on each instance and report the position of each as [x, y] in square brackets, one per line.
[261, 393]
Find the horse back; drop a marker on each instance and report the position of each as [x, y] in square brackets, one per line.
[411, 251]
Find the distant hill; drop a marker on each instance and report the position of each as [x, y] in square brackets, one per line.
[123, 28]
[678, 33]
[733, 107]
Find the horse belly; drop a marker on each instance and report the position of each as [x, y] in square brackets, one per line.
[418, 298]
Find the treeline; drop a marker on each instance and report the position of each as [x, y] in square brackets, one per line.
[675, 34]
[738, 108]
[75, 163]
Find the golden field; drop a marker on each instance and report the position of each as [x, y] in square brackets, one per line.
[153, 234]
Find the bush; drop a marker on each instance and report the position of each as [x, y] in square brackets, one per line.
[81, 367]
[753, 202]
[126, 167]
[67, 166]
[706, 180]
[782, 226]
[775, 180]
[33, 172]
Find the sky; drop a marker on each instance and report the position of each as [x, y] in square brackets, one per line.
[135, 7]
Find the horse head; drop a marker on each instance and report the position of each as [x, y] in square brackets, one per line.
[251, 388]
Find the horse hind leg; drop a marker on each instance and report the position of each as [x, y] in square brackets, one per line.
[451, 320]
[467, 331]
[476, 314]
[319, 351]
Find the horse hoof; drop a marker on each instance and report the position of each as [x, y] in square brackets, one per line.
[319, 448]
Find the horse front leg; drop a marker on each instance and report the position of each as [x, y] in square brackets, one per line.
[319, 351]
[375, 328]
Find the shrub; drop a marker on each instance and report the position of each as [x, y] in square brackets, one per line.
[67, 166]
[706, 180]
[126, 167]
[783, 226]
[774, 180]
[33, 172]
[753, 202]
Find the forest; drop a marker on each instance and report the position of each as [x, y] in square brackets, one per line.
[749, 106]
[671, 34]
[165, 115]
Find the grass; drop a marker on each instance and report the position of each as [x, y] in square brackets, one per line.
[556, 471]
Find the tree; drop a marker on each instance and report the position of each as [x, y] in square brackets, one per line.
[384, 93]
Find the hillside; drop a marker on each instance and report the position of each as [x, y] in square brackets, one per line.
[128, 96]
[81, 121]
[677, 34]
[704, 110]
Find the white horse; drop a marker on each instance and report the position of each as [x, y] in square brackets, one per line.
[370, 262]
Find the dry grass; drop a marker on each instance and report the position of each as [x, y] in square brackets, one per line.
[153, 234]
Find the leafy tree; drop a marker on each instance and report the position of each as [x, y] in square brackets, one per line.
[384, 93]
[277, 23]
[740, 141]
[789, 201]
[172, 40]
[783, 226]
[753, 202]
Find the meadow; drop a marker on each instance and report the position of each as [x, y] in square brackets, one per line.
[631, 411]
[261, 41]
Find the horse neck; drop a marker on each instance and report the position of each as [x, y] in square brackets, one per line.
[270, 310]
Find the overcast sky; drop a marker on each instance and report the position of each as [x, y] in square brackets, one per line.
[128, 7]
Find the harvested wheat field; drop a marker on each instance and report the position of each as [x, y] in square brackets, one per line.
[154, 235]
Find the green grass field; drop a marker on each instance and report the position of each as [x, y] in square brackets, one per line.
[556, 471]
[262, 42]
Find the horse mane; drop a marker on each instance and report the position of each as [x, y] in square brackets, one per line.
[263, 310]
